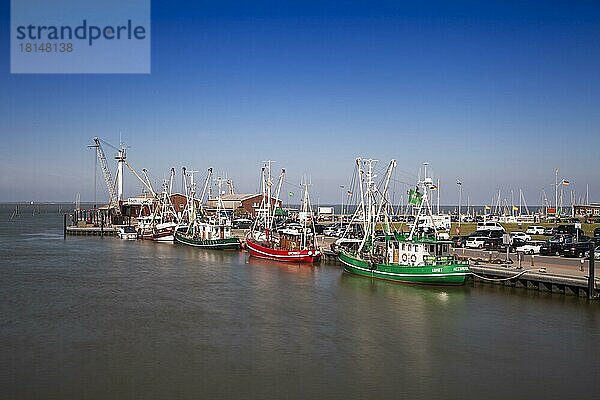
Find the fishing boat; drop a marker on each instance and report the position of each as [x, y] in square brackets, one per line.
[161, 224]
[292, 243]
[127, 233]
[419, 256]
[203, 230]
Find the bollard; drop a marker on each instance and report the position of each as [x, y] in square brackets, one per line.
[533, 260]
[581, 265]
[591, 273]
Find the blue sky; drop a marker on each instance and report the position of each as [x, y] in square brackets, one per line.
[496, 94]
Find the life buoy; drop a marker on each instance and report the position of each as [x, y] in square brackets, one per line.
[413, 258]
[404, 257]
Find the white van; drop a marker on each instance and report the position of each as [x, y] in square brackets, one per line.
[490, 226]
[441, 222]
[535, 230]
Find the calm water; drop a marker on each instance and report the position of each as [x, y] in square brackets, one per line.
[100, 318]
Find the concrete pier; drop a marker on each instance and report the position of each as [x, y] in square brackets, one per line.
[535, 279]
[91, 231]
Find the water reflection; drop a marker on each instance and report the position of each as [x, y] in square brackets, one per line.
[103, 318]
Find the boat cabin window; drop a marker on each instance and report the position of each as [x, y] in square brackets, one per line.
[442, 249]
[403, 246]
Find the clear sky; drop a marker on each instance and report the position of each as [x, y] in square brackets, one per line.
[497, 94]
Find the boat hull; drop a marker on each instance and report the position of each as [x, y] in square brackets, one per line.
[448, 274]
[232, 243]
[303, 256]
[128, 236]
[160, 235]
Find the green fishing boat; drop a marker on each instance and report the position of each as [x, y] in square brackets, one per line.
[230, 243]
[212, 232]
[420, 256]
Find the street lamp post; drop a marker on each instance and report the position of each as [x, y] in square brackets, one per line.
[556, 193]
[563, 182]
[459, 183]
[342, 209]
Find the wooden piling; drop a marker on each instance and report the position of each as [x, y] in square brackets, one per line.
[591, 273]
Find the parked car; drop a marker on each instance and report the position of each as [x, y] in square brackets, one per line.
[550, 231]
[242, 223]
[319, 229]
[520, 235]
[459, 241]
[475, 242]
[535, 230]
[576, 249]
[516, 242]
[569, 230]
[492, 238]
[332, 230]
[489, 226]
[493, 243]
[597, 232]
[553, 247]
[532, 247]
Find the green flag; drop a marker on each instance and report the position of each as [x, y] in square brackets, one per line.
[414, 197]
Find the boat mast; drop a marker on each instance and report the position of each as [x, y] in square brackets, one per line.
[305, 211]
[267, 183]
[361, 176]
[424, 206]
[371, 216]
[277, 191]
[383, 201]
[191, 202]
[205, 188]
[220, 206]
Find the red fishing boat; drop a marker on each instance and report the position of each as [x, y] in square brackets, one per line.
[294, 241]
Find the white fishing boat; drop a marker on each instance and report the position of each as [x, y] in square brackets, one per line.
[160, 226]
[127, 233]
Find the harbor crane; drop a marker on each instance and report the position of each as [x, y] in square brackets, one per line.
[115, 187]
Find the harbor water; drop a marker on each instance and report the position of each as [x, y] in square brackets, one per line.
[99, 318]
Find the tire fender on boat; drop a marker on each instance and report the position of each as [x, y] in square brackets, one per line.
[404, 257]
[413, 258]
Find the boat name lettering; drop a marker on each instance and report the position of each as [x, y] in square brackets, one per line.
[436, 269]
[461, 268]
